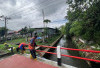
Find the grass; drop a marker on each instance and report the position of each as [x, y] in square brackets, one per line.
[51, 40]
[3, 49]
[14, 42]
[48, 41]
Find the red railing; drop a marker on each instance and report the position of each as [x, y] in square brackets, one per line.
[93, 51]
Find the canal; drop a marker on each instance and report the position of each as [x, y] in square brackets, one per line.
[66, 60]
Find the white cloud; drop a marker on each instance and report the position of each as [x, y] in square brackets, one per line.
[29, 12]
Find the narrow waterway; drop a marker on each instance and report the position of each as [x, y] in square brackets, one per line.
[66, 60]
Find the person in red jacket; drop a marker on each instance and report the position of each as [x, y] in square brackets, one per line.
[22, 47]
[32, 46]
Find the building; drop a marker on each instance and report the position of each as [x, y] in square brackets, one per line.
[50, 31]
[12, 34]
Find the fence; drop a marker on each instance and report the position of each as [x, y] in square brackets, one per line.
[59, 53]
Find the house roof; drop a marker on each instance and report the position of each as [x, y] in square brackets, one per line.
[43, 28]
[10, 31]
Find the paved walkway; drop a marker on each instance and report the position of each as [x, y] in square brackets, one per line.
[50, 62]
[18, 61]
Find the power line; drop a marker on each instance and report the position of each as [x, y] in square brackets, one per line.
[22, 7]
[31, 7]
[32, 13]
[28, 7]
[25, 7]
[45, 7]
[41, 4]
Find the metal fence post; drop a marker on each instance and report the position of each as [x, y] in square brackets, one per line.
[12, 50]
[58, 56]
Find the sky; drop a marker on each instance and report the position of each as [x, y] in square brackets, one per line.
[29, 13]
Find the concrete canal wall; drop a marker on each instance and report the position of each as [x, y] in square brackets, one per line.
[54, 44]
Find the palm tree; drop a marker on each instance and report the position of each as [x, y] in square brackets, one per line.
[46, 21]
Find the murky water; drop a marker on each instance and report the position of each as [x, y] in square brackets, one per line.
[69, 61]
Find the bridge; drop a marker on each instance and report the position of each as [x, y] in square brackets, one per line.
[19, 61]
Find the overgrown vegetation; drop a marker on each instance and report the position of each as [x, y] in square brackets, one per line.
[84, 19]
[48, 40]
[62, 29]
[3, 49]
[12, 43]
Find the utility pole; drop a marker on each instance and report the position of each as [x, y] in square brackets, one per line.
[44, 26]
[29, 27]
[5, 19]
[43, 17]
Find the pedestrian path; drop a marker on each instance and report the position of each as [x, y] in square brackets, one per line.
[18, 61]
[23, 61]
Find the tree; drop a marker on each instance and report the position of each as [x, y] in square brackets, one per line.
[24, 31]
[67, 30]
[76, 29]
[62, 29]
[46, 21]
[46, 29]
[31, 30]
[84, 17]
[2, 32]
[57, 30]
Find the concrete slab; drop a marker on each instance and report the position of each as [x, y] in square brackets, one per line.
[50, 62]
[18, 61]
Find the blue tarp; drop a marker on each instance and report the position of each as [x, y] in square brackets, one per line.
[39, 38]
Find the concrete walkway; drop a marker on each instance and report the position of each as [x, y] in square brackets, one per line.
[50, 62]
[24, 61]
[18, 61]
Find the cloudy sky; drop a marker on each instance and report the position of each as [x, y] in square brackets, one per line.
[29, 13]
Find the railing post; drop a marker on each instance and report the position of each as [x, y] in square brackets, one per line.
[58, 56]
[12, 50]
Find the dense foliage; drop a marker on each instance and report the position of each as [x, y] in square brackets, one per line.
[62, 29]
[31, 30]
[24, 31]
[2, 31]
[84, 19]
[46, 21]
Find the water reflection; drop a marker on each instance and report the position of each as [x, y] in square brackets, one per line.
[69, 61]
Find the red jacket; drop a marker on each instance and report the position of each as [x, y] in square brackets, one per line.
[24, 44]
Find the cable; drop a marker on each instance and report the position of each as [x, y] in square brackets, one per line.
[45, 7]
[48, 5]
[31, 7]
[23, 7]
